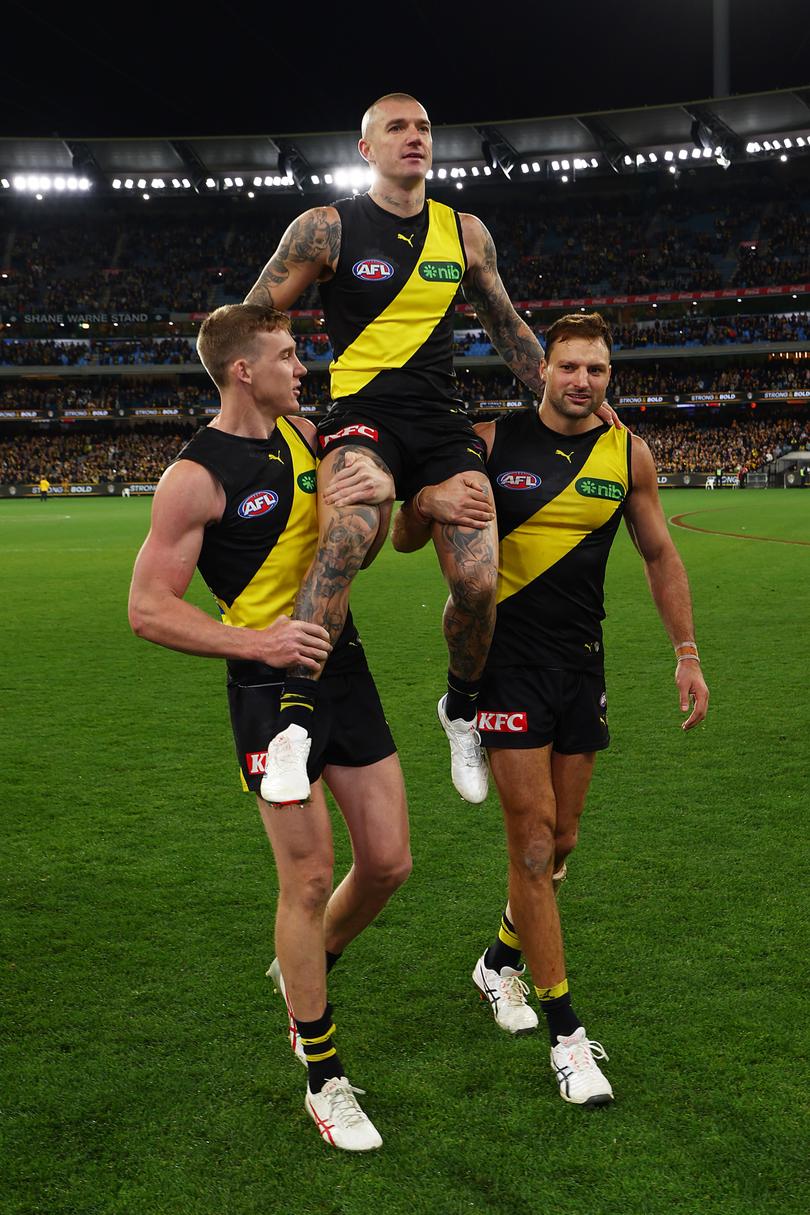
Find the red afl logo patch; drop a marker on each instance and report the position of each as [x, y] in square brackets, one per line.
[372, 270]
[258, 503]
[519, 480]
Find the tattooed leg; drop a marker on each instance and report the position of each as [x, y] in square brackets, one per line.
[468, 558]
[346, 533]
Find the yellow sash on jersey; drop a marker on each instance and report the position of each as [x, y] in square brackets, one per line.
[272, 590]
[565, 521]
[394, 337]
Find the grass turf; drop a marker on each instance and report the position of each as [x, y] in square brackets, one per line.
[146, 1066]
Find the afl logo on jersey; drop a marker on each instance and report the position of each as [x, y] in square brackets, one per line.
[519, 480]
[372, 270]
[258, 503]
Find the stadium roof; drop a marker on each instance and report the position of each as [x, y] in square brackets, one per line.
[734, 129]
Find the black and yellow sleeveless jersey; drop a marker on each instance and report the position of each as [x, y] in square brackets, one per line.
[389, 307]
[254, 559]
[559, 500]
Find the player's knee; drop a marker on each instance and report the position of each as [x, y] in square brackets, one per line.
[387, 873]
[565, 842]
[309, 889]
[474, 587]
[535, 858]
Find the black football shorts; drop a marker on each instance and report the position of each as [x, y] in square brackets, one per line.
[525, 707]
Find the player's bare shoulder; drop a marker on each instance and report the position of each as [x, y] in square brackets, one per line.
[190, 492]
[479, 247]
[306, 429]
[314, 237]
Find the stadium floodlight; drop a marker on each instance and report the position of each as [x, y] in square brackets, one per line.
[141, 183]
[429, 175]
[5, 183]
[524, 168]
[251, 194]
[653, 159]
[801, 141]
[564, 177]
[487, 171]
[328, 179]
[176, 183]
[723, 161]
[459, 185]
[237, 181]
[752, 147]
[555, 164]
[84, 183]
[315, 179]
[228, 183]
[673, 169]
[683, 154]
[535, 168]
[442, 173]
[776, 143]
[783, 156]
[566, 166]
[128, 183]
[640, 159]
[257, 181]
[696, 153]
[669, 154]
[158, 183]
[210, 184]
[766, 143]
[594, 163]
[788, 143]
[475, 170]
[145, 197]
[19, 183]
[186, 183]
[628, 160]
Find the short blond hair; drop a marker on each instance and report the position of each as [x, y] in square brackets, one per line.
[368, 117]
[230, 332]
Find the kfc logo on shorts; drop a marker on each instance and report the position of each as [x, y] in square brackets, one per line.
[257, 504]
[357, 428]
[519, 480]
[503, 723]
[371, 270]
[255, 762]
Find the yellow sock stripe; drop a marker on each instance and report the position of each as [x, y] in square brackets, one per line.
[293, 701]
[508, 936]
[327, 1054]
[323, 1038]
[552, 993]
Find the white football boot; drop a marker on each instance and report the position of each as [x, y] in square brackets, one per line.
[573, 1061]
[296, 1045]
[506, 993]
[339, 1118]
[468, 763]
[285, 779]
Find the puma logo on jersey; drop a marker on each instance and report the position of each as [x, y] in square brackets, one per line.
[408, 239]
[566, 455]
[272, 456]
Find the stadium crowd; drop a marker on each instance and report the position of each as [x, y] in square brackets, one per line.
[140, 453]
[628, 242]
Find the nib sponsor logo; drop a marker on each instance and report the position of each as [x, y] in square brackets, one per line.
[255, 762]
[367, 432]
[503, 723]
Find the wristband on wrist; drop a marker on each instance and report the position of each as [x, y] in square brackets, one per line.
[687, 649]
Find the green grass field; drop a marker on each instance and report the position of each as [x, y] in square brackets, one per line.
[145, 1058]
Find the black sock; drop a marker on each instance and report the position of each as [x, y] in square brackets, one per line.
[297, 704]
[561, 1019]
[506, 949]
[323, 1061]
[462, 697]
[331, 959]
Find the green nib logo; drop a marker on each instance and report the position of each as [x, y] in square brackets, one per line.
[440, 272]
[308, 481]
[595, 487]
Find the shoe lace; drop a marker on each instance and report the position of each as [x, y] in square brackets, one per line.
[514, 989]
[470, 746]
[343, 1106]
[582, 1055]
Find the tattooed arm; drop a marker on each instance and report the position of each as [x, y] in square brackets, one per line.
[511, 337]
[308, 253]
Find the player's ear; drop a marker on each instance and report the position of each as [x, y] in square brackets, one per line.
[240, 371]
[543, 368]
[364, 148]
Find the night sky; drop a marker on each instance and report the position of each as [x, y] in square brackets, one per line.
[280, 68]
